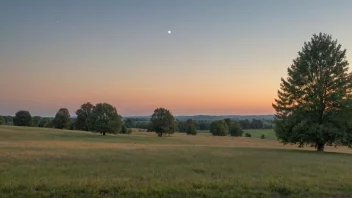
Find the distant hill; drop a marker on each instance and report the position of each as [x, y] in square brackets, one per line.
[214, 117]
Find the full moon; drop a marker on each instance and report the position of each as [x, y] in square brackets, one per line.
[169, 32]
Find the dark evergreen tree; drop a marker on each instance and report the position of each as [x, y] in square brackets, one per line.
[314, 102]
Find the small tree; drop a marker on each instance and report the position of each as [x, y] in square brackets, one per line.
[36, 121]
[105, 119]
[22, 118]
[2, 120]
[125, 130]
[235, 129]
[262, 136]
[219, 128]
[191, 128]
[62, 118]
[314, 105]
[163, 122]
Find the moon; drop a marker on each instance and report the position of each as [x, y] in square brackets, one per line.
[169, 32]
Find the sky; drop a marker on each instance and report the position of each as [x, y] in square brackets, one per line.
[222, 57]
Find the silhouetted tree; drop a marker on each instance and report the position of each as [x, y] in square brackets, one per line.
[163, 122]
[83, 113]
[105, 119]
[22, 118]
[314, 103]
[61, 120]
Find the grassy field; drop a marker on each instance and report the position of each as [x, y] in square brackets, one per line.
[256, 133]
[55, 163]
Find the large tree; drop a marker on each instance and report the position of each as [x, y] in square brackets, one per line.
[163, 122]
[22, 118]
[105, 119]
[62, 119]
[314, 102]
[83, 113]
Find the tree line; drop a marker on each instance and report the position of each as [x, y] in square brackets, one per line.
[104, 118]
[202, 125]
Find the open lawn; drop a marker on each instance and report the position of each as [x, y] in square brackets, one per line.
[56, 163]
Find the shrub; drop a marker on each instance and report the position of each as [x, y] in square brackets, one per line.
[235, 129]
[2, 120]
[247, 135]
[262, 136]
[219, 128]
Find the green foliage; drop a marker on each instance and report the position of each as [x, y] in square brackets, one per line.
[163, 122]
[49, 123]
[219, 128]
[262, 136]
[2, 120]
[8, 120]
[105, 119]
[191, 128]
[228, 121]
[22, 118]
[83, 114]
[36, 121]
[235, 129]
[150, 127]
[61, 120]
[314, 103]
[247, 134]
[125, 130]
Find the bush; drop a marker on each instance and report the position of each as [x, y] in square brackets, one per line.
[219, 128]
[247, 135]
[235, 129]
[125, 130]
[262, 136]
[2, 120]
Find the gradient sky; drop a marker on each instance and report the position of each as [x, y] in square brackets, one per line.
[222, 57]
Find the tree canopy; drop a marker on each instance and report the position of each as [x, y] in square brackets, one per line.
[219, 128]
[2, 120]
[22, 118]
[314, 102]
[163, 122]
[191, 127]
[235, 129]
[62, 118]
[104, 119]
[83, 113]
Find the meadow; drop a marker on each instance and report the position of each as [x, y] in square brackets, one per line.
[37, 162]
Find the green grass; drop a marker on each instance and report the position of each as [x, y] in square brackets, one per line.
[53, 163]
[256, 133]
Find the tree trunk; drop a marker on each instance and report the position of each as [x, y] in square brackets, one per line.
[320, 147]
[103, 133]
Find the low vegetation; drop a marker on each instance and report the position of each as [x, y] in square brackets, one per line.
[38, 162]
